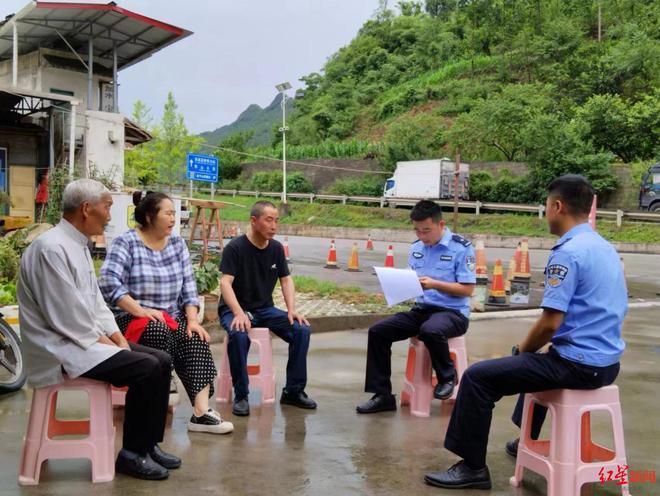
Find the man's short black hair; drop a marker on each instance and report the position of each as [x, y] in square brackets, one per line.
[257, 209]
[575, 191]
[425, 209]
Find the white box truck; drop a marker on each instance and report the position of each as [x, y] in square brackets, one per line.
[426, 179]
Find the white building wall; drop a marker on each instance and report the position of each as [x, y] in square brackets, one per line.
[61, 79]
[104, 145]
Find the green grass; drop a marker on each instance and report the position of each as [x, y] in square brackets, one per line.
[337, 215]
[346, 294]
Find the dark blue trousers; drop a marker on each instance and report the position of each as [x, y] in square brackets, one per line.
[433, 326]
[484, 383]
[277, 321]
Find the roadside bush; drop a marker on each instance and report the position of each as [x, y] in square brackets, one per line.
[296, 182]
[507, 188]
[366, 186]
[231, 184]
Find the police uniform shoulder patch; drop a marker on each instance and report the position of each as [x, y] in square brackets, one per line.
[461, 240]
[471, 263]
[555, 274]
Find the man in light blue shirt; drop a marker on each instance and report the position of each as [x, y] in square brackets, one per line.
[584, 305]
[445, 264]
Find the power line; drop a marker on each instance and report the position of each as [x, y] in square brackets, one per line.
[307, 164]
[246, 154]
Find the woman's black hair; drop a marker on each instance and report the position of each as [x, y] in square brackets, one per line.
[147, 206]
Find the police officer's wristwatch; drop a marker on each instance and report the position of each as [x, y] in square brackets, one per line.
[515, 350]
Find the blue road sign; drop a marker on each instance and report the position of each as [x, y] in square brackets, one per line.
[202, 168]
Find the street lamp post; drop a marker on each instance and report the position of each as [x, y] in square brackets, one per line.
[282, 88]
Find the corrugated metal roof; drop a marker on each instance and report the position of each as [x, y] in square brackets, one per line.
[44, 24]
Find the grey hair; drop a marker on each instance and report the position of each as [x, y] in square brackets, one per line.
[80, 191]
[257, 209]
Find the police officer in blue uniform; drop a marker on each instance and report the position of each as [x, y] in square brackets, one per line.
[445, 264]
[584, 305]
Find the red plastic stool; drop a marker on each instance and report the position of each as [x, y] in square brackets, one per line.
[261, 375]
[419, 381]
[570, 458]
[43, 426]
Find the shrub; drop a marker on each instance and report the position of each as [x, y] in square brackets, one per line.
[9, 262]
[7, 294]
[366, 186]
[296, 182]
[58, 178]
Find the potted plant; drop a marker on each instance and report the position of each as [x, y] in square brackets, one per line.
[207, 276]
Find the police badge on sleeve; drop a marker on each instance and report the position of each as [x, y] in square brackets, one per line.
[471, 263]
[555, 274]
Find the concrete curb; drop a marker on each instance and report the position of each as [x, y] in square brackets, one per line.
[405, 236]
[350, 322]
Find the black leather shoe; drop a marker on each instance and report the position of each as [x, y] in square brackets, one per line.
[512, 447]
[166, 460]
[241, 408]
[378, 403]
[140, 467]
[445, 390]
[460, 476]
[299, 399]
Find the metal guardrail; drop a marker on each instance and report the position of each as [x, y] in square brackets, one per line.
[477, 206]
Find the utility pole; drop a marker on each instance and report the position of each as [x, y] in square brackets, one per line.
[282, 88]
[457, 171]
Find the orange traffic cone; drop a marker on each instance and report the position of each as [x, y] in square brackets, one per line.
[389, 258]
[331, 263]
[286, 248]
[522, 265]
[496, 295]
[370, 244]
[353, 263]
[482, 263]
[509, 275]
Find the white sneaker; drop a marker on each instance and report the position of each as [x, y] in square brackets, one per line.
[210, 422]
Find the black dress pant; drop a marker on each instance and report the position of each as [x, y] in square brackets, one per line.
[431, 325]
[484, 383]
[146, 372]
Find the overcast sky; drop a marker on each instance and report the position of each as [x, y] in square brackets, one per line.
[239, 50]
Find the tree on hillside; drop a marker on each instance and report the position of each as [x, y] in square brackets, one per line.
[499, 122]
[629, 130]
[555, 147]
[230, 162]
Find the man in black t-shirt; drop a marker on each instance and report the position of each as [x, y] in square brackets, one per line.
[251, 265]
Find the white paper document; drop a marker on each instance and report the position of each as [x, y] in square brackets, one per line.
[398, 284]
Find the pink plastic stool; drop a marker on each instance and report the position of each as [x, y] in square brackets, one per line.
[119, 396]
[419, 381]
[43, 426]
[570, 458]
[261, 375]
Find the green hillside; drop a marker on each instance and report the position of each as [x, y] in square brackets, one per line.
[254, 118]
[517, 80]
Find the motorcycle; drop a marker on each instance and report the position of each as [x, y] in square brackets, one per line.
[12, 370]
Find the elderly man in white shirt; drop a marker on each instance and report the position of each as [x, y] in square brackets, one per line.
[67, 328]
